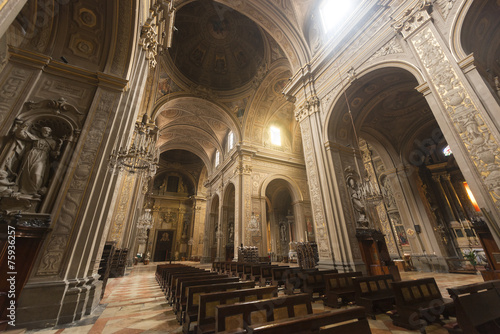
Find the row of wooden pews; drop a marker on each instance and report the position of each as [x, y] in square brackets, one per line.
[229, 300]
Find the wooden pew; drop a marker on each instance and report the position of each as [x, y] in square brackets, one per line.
[227, 267]
[265, 275]
[247, 271]
[477, 308]
[233, 267]
[190, 310]
[183, 284]
[294, 279]
[419, 303]
[458, 291]
[311, 282]
[374, 293]
[208, 303]
[237, 317]
[170, 293]
[339, 286]
[352, 321]
[178, 271]
[280, 273]
[161, 271]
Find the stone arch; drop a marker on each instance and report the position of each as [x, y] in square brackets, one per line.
[196, 125]
[456, 43]
[293, 186]
[334, 120]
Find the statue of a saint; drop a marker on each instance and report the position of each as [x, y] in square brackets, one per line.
[283, 232]
[33, 172]
[357, 202]
[231, 233]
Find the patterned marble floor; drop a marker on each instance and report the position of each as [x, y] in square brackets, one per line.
[135, 304]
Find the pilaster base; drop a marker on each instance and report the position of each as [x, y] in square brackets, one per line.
[47, 304]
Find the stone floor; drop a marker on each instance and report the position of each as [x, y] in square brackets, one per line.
[135, 304]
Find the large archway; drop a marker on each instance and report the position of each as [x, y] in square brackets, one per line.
[395, 174]
[283, 218]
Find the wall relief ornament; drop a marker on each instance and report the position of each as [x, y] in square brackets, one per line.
[315, 192]
[475, 134]
[391, 47]
[84, 160]
[413, 18]
[444, 7]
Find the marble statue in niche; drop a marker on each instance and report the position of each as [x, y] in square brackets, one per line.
[283, 232]
[357, 202]
[33, 173]
[231, 233]
[29, 161]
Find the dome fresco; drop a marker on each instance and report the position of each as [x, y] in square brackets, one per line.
[216, 46]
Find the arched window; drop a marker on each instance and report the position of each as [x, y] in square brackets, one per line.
[217, 158]
[275, 136]
[230, 141]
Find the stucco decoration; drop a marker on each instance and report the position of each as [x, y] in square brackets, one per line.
[468, 121]
[30, 160]
[444, 7]
[391, 47]
[314, 186]
[84, 160]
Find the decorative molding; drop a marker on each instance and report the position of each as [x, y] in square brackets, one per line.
[61, 105]
[478, 139]
[413, 18]
[391, 47]
[315, 191]
[52, 257]
[444, 7]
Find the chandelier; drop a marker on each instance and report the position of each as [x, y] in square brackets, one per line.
[142, 156]
[145, 221]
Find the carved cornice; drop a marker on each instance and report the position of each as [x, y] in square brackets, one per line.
[413, 18]
[57, 106]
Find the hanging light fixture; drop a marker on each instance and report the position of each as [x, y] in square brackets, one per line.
[142, 155]
[145, 221]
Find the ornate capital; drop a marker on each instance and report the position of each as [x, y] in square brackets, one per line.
[413, 18]
[310, 107]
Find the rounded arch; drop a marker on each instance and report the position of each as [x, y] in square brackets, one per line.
[227, 190]
[174, 100]
[293, 186]
[180, 146]
[456, 44]
[336, 119]
[214, 204]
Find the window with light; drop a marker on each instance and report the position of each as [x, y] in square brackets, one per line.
[217, 158]
[447, 151]
[334, 12]
[275, 136]
[230, 141]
